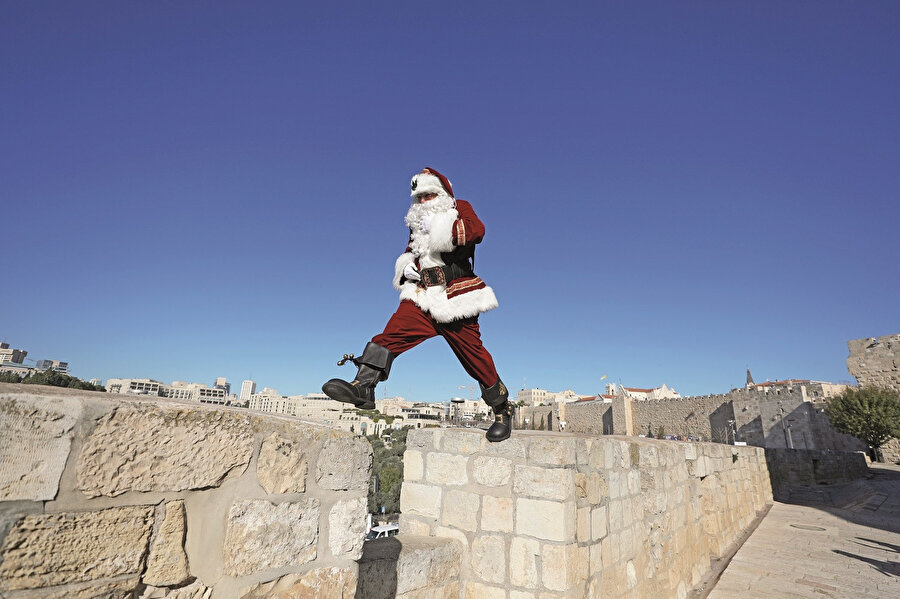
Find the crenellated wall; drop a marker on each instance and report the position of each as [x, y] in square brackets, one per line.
[558, 515]
[114, 496]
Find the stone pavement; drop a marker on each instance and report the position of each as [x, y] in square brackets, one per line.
[840, 541]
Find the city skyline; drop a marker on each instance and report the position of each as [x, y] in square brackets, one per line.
[673, 193]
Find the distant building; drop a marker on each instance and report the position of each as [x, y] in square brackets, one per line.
[197, 392]
[222, 384]
[248, 388]
[468, 409]
[54, 365]
[663, 392]
[11, 356]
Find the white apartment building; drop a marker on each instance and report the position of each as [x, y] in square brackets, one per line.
[248, 388]
[467, 409]
[55, 365]
[662, 392]
[197, 392]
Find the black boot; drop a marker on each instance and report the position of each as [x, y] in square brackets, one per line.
[374, 366]
[497, 397]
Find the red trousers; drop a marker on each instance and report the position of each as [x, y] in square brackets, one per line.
[409, 327]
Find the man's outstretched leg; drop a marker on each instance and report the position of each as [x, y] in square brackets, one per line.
[407, 328]
[464, 337]
[374, 366]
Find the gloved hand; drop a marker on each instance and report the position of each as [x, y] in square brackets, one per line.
[411, 273]
[425, 223]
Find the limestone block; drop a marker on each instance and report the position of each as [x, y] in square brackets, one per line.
[563, 566]
[491, 471]
[544, 483]
[446, 469]
[44, 550]
[421, 500]
[345, 463]
[426, 562]
[523, 554]
[598, 522]
[282, 465]
[496, 514]
[520, 595]
[35, 437]
[167, 564]
[145, 447]
[476, 590]
[488, 555]
[413, 465]
[445, 532]
[461, 510]
[649, 456]
[413, 526]
[583, 524]
[461, 441]
[347, 528]
[261, 535]
[549, 451]
[549, 520]
[512, 448]
[334, 583]
[449, 590]
[118, 588]
[422, 439]
[195, 590]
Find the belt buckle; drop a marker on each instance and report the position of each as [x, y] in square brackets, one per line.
[433, 276]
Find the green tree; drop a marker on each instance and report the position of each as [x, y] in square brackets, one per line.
[871, 414]
[387, 469]
[58, 379]
[10, 377]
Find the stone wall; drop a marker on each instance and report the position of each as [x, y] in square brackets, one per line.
[875, 361]
[114, 496]
[806, 467]
[558, 515]
[757, 416]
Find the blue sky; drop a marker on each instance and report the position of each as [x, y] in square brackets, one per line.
[673, 192]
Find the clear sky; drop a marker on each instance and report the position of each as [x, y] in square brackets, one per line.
[673, 192]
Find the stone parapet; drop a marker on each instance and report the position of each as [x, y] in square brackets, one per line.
[114, 496]
[788, 467]
[550, 515]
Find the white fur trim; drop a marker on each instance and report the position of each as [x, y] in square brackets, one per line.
[425, 183]
[433, 300]
[399, 265]
[440, 238]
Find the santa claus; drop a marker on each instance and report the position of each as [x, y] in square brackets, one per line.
[439, 295]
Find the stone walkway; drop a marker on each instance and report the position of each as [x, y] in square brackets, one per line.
[841, 541]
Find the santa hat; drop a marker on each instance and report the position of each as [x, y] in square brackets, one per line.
[430, 181]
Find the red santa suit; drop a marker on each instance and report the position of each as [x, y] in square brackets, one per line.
[448, 297]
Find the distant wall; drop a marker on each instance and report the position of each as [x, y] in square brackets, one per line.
[570, 516]
[103, 495]
[875, 361]
[804, 467]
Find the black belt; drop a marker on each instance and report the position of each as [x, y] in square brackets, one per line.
[441, 275]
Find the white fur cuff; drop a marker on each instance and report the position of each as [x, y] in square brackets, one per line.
[399, 265]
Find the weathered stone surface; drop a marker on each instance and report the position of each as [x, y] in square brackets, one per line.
[345, 464]
[446, 469]
[544, 483]
[413, 465]
[551, 451]
[282, 466]
[56, 549]
[35, 438]
[461, 510]
[476, 590]
[336, 583]
[195, 590]
[147, 447]
[119, 588]
[261, 535]
[549, 520]
[167, 564]
[347, 528]
[497, 514]
[489, 558]
[523, 554]
[461, 441]
[422, 500]
[491, 471]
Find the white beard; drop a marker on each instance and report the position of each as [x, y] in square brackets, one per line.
[420, 243]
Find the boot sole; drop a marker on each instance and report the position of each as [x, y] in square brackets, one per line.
[336, 390]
